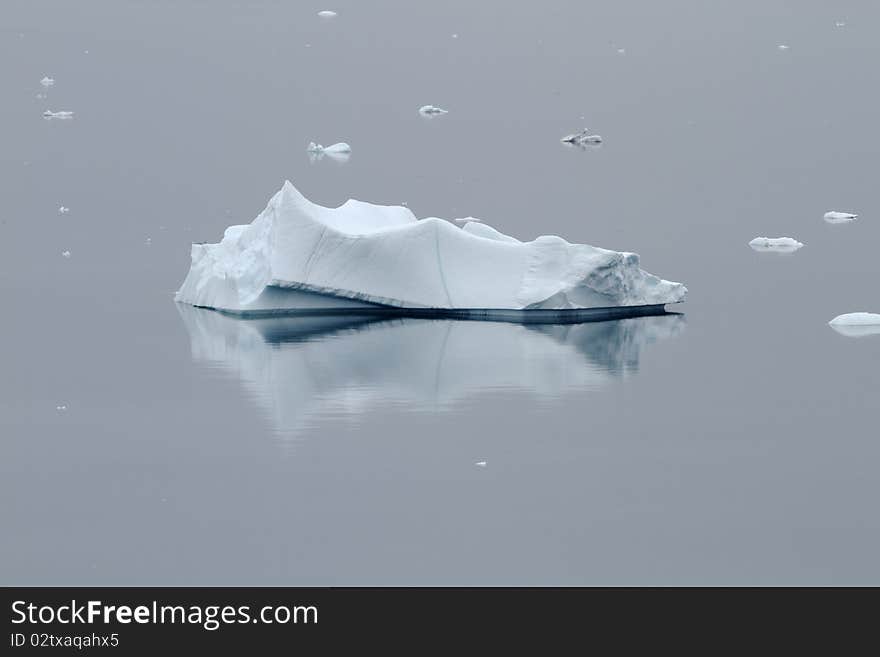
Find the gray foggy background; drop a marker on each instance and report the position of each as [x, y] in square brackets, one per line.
[735, 445]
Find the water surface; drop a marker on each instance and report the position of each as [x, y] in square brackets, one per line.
[733, 445]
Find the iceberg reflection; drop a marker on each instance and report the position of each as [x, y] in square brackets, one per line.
[302, 369]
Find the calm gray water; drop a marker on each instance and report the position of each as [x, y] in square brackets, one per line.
[734, 444]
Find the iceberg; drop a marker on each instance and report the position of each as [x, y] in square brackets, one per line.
[339, 152]
[583, 137]
[339, 148]
[835, 217]
[431, 109]
[47, 81]
[856, 325]
[300, 257]
[63, 114]
[775, 244]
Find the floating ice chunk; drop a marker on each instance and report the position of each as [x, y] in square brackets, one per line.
[455, 36]
[297, 255]
[839, 24]
[856, 319]
[582, 137]
[49, 114]
[465, 220]
[480, 464]
[621, 51]
[340, 147]
[856, 325]
[327, 13]
[66, 254]
[47, 81]
[432, 109]
[775, 244]
[339, 152]
[574, 138]
[835, 217]
[782, 46]
[63, 210]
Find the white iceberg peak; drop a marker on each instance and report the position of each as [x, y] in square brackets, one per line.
[47, 81]
[297, 255]
[835, 217]
[432, 109]
[327, 13]
[63, 210]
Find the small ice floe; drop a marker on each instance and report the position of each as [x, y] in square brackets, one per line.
[775, 244]
[327, 13]
[66, 254]
[63, 210]
[431, 110]
[455, 36]
[339, 152]
[480, 464]
[61, 407]
[621, 51]
[840, 24]
[856, 325]
[149, 241]
[49, 114]
[340, 147]
[835, 217]
[581, 138]
[782, 46]
[47, 81]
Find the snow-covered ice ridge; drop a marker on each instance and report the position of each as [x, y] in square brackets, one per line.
[299, 256]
